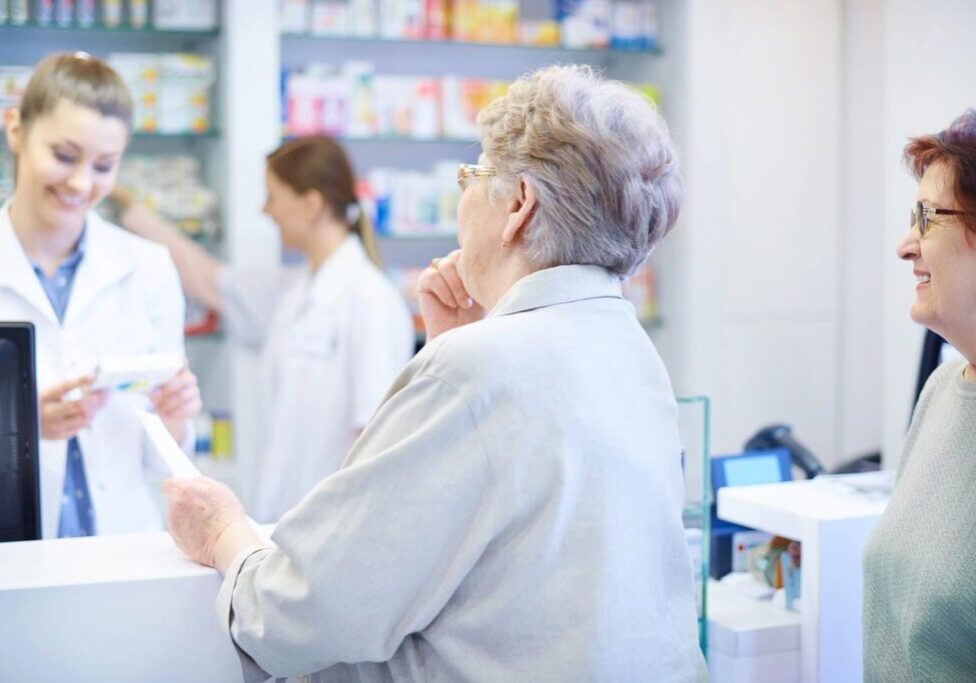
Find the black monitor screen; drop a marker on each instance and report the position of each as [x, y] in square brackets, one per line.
[20, 518]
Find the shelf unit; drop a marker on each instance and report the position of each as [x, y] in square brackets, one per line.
[440, 58]
[250, 53]
[468, 43]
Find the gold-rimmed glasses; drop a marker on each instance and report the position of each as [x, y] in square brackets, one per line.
[468, 171]
[921, 213]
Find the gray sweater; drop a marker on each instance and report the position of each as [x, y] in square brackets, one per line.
[920, 562]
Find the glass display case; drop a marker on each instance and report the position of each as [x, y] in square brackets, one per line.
[694, 425]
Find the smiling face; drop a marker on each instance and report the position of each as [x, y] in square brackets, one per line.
[944, 262]
[67, 162]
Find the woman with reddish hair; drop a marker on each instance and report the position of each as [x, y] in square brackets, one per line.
[920, 563]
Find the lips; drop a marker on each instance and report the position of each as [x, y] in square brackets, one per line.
[69, 202]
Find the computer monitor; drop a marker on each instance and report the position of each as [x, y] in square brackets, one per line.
[20, 507]
[764, 466]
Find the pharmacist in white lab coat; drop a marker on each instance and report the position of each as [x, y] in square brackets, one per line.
[333, 334]
[91, 290]
[513, 510]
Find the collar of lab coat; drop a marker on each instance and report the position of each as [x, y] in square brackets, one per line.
[335, 274]
[106, 261]
[558, 285]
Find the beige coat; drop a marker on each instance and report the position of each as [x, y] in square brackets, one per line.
[512, 513]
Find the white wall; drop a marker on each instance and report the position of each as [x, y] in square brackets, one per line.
[930, 62]
[863, 250]
[250, 114]
[756, 316]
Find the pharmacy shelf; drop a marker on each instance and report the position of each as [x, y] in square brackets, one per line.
[27, 45]
[419, 237]
[34, 29]
[204, 135]
[395, 139]
[589, 51]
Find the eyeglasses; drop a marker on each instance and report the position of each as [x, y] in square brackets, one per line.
[468, 171]
[921, 213]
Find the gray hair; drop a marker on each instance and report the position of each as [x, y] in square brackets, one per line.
[600, 159]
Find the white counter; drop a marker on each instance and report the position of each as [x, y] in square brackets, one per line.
[130, 609]
[832, 520]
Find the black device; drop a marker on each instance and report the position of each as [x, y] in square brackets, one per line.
[781, 436]
[20, 495]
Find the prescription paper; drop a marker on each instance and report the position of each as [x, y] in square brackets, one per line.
[176, 460]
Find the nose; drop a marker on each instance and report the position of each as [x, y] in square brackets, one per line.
[908, 246]
[80, 181]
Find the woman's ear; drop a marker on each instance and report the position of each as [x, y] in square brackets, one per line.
[14, 129]
[521, 208]
[314, 202]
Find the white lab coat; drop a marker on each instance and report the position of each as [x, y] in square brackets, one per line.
[511, 513]
[126, 298]
[331, 344]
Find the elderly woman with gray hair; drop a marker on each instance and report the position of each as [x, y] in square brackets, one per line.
[513, 509]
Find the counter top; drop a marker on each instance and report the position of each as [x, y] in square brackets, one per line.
[783, 508]
[112, 609]
[832, 516]
[99, 559]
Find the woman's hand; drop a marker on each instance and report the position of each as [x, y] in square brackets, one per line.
[203, 515]
[444, 301]
[63, 418]
[177, 401]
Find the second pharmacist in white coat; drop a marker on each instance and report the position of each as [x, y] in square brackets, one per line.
[333, 333]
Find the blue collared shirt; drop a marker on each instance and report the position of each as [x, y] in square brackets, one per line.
[77, 515]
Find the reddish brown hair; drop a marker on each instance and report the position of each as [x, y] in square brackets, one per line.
[956, 146]
[319, 163]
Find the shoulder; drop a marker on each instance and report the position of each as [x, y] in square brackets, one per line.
[933, 404]
[939, 381]
[488, 351]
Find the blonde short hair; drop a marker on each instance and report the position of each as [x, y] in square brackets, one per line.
[78, 78]
[600, 159]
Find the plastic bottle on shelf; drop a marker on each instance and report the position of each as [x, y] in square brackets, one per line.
[138, 13]
[63, 12]
[363, 18]
[85, 13]
[19, 13]
[112, 13]
[380, 182]
[220, 440]
[359, 76]
[294, 16]
[203, 425]
[426, 120]
[438, 20]
[44, 12]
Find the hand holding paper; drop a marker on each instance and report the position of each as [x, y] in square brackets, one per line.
[206, 520]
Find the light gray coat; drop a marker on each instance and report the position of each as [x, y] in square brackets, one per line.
[511, 513]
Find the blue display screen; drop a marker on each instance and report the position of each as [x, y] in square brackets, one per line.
[762, 469]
